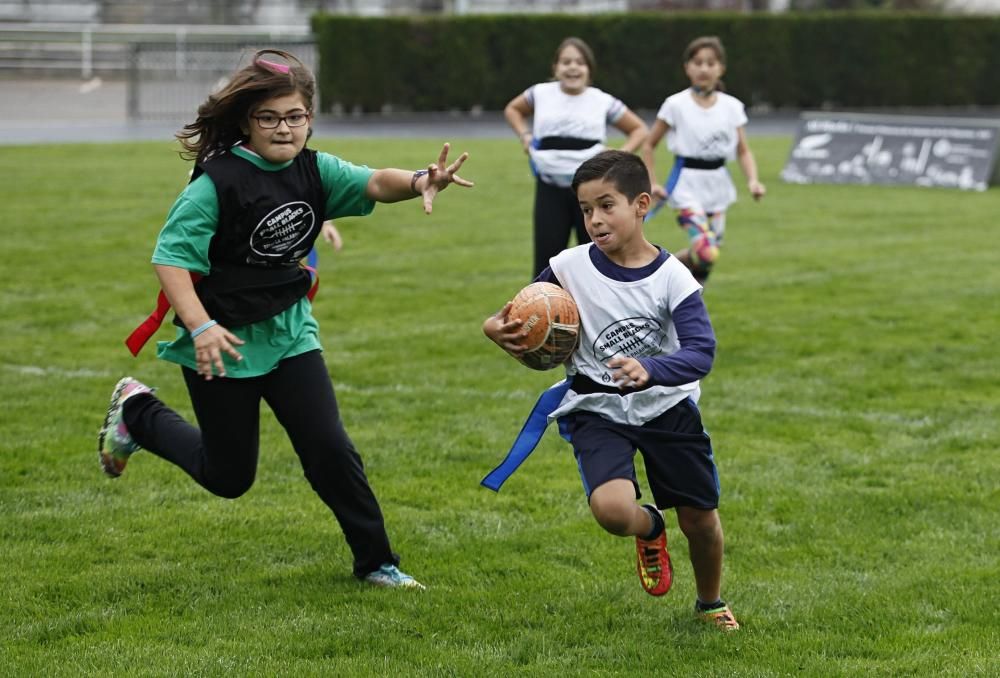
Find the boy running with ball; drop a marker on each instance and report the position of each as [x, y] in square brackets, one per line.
[633, 383]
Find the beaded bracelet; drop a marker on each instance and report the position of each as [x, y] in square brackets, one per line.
[198, 330]
[413, 181]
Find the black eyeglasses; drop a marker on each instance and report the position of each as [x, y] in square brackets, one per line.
[271, 121]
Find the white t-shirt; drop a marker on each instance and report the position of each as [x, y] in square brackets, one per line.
[581, 116]
[705, 133]
[631, 319]
[697, 132]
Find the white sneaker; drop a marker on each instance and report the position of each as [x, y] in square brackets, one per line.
[114, 444]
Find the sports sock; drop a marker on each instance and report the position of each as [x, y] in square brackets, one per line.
[658, 525]
[705, 607]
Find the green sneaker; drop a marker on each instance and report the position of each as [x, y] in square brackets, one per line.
[114, 444]
[390, 576]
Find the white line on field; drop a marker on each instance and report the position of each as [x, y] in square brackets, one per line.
[424, 390]
[816, 412]
[836, 413]
[38, 371]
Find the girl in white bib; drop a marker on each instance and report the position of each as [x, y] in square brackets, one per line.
[704, 127]
[569, 125]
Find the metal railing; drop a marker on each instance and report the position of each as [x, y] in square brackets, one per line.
[169, 80]
[87, 49]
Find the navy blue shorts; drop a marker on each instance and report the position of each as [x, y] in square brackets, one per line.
[675, 448]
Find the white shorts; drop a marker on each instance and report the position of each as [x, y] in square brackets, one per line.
[709, 190]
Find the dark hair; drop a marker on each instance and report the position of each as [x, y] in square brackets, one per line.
[707, 42]
[588, 54]
[624, 170]
[224, 115]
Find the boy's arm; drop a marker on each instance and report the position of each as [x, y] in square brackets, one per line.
[693, 361]
[505, 333]
[547, 276]
[508, 334]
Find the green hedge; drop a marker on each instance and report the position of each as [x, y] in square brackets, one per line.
[789, 60]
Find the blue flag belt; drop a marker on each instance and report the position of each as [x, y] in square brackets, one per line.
[527, 440]
[668, 186]
[680, 162]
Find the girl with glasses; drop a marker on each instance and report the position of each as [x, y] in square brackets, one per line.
[228, 261]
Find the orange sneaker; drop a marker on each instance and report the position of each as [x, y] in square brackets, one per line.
[722, 617]
[656, 574]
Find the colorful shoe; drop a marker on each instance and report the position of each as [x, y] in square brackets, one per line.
[722, 617]
[114, 444]
[656, 574]
[390, 576]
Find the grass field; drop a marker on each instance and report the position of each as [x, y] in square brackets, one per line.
[853, 408]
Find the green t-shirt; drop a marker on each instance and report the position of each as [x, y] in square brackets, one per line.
[184, 243]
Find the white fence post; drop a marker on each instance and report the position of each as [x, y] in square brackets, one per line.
[86, 53]
[180, 58]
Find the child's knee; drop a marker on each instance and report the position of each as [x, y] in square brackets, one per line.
[698, 523]
[231, 486]
[615, 520]
[612, 510]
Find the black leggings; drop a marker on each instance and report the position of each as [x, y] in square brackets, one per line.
[557, 214]
[222, 455]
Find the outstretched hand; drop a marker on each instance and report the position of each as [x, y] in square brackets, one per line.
[440, 174]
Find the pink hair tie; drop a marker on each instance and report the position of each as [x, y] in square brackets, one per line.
[277, 68]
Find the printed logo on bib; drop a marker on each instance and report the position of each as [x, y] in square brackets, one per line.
[716, 145]
[631, 338]
[282, 231]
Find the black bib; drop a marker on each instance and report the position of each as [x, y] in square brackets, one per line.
[268, 222]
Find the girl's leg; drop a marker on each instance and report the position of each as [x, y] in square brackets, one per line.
[302, 398]
[703, 251]
[221, 456]
[703, 530]
[717, 223]
[552, 223]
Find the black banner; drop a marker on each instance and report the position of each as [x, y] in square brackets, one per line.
[855, 148]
